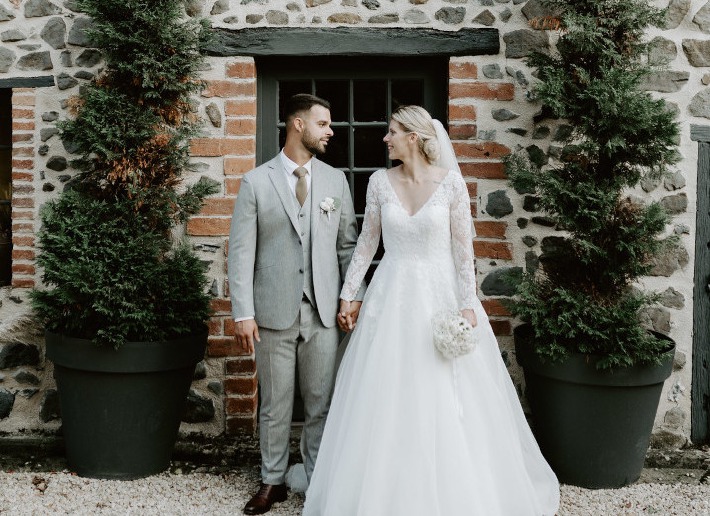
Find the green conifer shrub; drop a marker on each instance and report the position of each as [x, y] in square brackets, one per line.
[113, 267]
[583, 297]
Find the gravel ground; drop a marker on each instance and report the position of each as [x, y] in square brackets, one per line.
[165, 494]
[209, 484]
[202, 491]
[639, 499]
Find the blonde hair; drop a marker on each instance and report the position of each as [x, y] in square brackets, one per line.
[416, 119]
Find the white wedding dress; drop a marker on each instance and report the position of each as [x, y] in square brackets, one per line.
[411, 433]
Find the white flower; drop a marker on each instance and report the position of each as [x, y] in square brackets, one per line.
[329, 205]
[453, 335]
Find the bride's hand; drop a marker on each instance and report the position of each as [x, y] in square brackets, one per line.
[344, 318]
[470, 316]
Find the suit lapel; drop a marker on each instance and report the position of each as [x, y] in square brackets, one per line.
[278, 179]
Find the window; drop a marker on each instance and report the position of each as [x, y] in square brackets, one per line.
[362, 93]
[5, 185]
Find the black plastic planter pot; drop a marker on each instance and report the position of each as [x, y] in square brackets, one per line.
[593, 427]
[121, 409]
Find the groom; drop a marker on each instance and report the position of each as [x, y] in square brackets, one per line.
[292, 235]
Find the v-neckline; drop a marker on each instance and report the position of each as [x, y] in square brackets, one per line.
[399, 201]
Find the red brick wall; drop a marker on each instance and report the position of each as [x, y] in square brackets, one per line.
[23, 191]
[236, 145]
[480, 160]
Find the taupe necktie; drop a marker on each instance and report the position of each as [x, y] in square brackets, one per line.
[301, 184]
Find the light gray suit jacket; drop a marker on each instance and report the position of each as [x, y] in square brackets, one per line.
[265, 262]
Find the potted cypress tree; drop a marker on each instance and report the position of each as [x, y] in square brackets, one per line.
[593, 372]
[125, 300]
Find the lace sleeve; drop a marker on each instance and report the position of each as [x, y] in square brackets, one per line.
[367, 244]
[461, 242]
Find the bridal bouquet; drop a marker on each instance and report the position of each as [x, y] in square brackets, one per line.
[453, 335]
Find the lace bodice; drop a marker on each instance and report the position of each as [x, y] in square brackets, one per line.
[439, 232]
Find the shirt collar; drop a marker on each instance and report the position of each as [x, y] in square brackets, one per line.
[290, 166]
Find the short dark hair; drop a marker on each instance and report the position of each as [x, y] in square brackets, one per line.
[302, 102]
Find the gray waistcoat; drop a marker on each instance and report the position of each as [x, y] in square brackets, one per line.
[304, 220]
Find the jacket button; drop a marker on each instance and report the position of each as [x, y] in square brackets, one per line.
[300, 270]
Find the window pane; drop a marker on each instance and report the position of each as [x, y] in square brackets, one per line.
[360, 180]
[288, 89]
[5, 244]
[336, 154]
[370, 273]
[370, 151]
[282, 137]
[407, 92]
[5, 117]
[370, 101]
[5, 173]
[338, 94]
[5, 186]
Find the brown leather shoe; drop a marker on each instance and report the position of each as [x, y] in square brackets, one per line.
[267, 495]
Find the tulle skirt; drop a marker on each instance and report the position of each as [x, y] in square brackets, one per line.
[412, 433]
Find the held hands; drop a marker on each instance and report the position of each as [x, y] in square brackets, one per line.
[470, 316]
[348, 314]
[247, 332]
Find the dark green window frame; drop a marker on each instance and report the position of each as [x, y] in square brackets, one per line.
[5, 186]
[700, 386]
[360, 120]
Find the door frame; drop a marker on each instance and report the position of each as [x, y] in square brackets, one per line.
[700, 387]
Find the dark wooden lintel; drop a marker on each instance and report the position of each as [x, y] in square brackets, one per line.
[27, 82]
[349, 41]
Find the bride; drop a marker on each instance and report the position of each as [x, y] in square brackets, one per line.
[411, 432]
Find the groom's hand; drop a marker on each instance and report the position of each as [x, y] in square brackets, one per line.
[247, 332]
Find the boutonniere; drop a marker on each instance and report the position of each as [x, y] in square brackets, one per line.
[329, 205]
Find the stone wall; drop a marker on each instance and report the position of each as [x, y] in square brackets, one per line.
[491, 112]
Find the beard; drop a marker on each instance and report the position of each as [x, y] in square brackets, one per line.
[312, 144]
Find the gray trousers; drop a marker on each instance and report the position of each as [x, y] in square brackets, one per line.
[313, 348]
